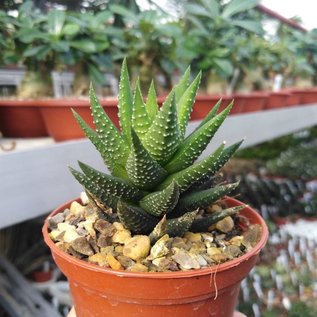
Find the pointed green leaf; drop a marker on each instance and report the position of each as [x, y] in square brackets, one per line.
[151, 103]
[112, 185]
[212, 113]
[194, 173]
[142, 169]
[113, 166]
[135, 218]
[196, 143]
[222, 160]
[161, 202]
[185, 104]
[140, 119]
[202, 224]
[107, 131]
[182, 85]
[125, 102]
[162, 139]
[203, 198]
[104, 198]
[177, 227]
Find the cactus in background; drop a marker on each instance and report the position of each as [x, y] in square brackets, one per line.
[155, 186]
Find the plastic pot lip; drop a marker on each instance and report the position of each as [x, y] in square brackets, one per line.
[158, 275]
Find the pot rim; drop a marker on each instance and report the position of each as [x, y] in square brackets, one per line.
[158, 275]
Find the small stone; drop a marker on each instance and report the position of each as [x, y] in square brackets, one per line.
[84, 198]
[81, 245]
[185, 260]
[180, 244]
[66, 212]
[160, 249]
[92, 241]
[64, 246]
[74, 219]
[99, 258]
[118, 249]
[198, 247]
[219, 258]
[214, 208]
[193, 237]
[201, 260]
[232, 251]
[104, 227]
[89, 226]
[70, 231]
[138, 267]
[121, 236]
[118, 226]
[55, 220]
[91, 213]
[237, 240]
[125, 261]
[57, 235]
[225, 225]
[76, 208]
[207, 237]
[137, 247]
[252, 236]
[81, 231]
[108, 249]
[113, 262]
[213, 251]
[74, 253]
[103, 241]
[165, 264]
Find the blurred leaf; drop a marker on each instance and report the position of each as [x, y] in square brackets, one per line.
[252, 26]
[85, 46]
[70, 29]
[225, 66]
[55, 20]
[237, 6]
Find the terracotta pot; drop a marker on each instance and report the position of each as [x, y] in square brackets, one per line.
[255, 102]
[100, 292]
[277, 100]
[21, 119]
[293, 100]
[59, 119]
[306, 95]
[204, 103]
[239, 101]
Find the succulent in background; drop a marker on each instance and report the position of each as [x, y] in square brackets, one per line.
[155, 186]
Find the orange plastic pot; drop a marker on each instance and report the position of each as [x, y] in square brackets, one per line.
[293, 100]
[60, 122]
[306, 95]
[103, 292]
[238, 105]
[255, 102]
[21, 119]
[277, 100]
[204, 103]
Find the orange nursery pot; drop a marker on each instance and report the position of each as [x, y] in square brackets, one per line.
[293, 100]
[21, 119]
[60, 122]
[307, 96]
[277, 100]
[255, 102]
[204, 103]
[103, 292]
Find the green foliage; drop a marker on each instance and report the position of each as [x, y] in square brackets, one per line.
[142, 191]
[226, 23]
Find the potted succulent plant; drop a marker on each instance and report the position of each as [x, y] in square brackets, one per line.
[155, 238]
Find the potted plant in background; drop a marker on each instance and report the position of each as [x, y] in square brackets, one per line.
[163, 239]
